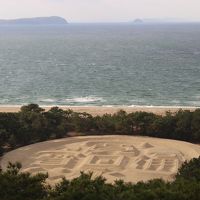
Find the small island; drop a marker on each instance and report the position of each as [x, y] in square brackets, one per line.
[138, 21]
[54, 20]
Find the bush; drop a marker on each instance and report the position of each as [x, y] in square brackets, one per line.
[190, 170]
[32, 124]
[15, 185]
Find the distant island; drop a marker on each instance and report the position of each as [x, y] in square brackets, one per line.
[138, 21]
[156, 20]
[54, 20]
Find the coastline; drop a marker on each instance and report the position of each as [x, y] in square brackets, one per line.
[100, 110]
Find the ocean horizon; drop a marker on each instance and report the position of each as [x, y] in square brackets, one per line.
[101, 65]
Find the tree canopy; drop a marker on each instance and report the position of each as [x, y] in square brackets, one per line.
[33, 124]
[16, 185]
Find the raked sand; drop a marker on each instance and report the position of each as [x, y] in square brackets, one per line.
[115, 157]
[100, 110]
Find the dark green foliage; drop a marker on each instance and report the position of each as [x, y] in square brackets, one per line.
[18, 186]
[164, 126]
[183, 125]
[186, 189]
[82, 188]
[190, 170]
[121, 125]
[3, 138]
[82, 122]
[32, 124]
[105, 124]
[32, 108]
[23, 186]
[57, 122]
[195, 129]
[140, 122]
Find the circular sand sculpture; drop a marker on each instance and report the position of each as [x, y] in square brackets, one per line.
[114, 157]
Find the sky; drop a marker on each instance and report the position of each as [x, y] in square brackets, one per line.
[102, 10]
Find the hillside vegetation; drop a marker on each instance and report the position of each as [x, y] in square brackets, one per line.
[32, 124]
[17, 186]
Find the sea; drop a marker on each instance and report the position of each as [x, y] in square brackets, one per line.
[123, 64]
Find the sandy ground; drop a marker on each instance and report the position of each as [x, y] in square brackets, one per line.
[115, 157]
[100, 110]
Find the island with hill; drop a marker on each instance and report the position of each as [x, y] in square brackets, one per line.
[138, 21]
[53, 20]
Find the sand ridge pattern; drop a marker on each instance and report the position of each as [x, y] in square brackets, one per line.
[115, 157]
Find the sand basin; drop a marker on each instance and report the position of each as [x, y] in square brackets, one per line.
[115, 157]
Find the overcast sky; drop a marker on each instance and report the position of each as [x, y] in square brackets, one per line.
[101, 10]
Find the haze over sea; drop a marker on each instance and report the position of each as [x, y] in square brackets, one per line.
[100, 64]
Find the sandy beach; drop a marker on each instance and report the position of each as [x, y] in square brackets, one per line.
[100, 110]
[115, 157]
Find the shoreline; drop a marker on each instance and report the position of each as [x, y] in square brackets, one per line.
[100, 110]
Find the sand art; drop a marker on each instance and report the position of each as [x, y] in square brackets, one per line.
[115, 157]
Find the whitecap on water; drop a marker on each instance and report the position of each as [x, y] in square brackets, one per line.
[84, 99]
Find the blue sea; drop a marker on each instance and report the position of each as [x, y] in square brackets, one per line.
[100, 64]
